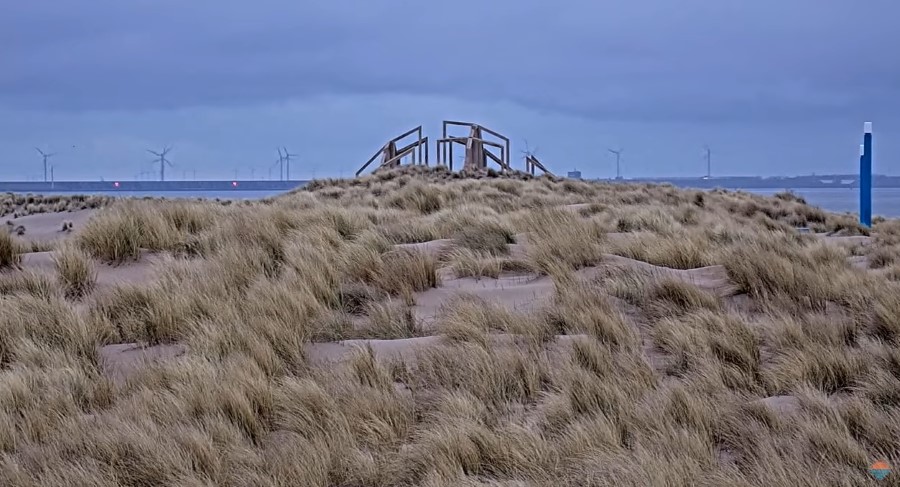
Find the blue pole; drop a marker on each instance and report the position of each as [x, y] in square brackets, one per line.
[865, 177]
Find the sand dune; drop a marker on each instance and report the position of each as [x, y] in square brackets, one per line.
[47, 227]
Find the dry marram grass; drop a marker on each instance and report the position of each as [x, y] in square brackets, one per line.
[628, 374]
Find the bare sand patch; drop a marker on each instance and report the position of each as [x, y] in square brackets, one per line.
[47, 227]
[432, 248]
[858, 261]
[577, 206]
[121, 360]
[710, 278]
[402, 349]
[841, 239]
[140, 272]
[406, 349]
[781, 405]
[529, 293]
[516, 293]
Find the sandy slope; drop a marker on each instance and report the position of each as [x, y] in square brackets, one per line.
[47, 227]
[108, 276]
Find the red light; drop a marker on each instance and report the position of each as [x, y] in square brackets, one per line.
[116, 184]
[234, 184]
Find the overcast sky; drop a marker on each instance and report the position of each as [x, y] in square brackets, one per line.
[773, 87]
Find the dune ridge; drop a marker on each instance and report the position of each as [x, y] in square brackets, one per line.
[414, 327]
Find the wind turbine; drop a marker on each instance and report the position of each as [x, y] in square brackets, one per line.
[162, 161]
[287, 159]
[618, 154]
[528, 152]
[529, 155]
[708, 161]
[280, 164]
[45, 156]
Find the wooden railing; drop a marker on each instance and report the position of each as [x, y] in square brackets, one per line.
[391, 156]
[532, 162]
[477, 147]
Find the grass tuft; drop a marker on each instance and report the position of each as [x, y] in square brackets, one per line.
[75, 270]
[10, 251]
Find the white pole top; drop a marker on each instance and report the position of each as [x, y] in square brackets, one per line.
[867, 127]
[862, 150]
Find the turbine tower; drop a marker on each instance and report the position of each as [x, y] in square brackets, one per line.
[287, 160]
[45, 156]
[708, 162]
[618, 154]
[280, 164]
[161, 159]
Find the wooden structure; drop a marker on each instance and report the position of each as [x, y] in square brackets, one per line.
[392, 155]
[532, 162]
[479, 146]
[477, 149]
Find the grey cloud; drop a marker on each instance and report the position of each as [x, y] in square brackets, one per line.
[649, 60]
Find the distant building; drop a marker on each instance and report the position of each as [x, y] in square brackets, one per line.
[574, 174]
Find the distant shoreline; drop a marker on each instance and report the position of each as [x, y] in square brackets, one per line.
[841, 181]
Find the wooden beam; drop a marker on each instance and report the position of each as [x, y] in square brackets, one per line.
[407, 133]
[464, 140]
[371, 160]
[409, 146]
[536, 163]
[452, 122]
[400, 155]
[422, 161]
[389, 152]
[498, 160]
[495, 134]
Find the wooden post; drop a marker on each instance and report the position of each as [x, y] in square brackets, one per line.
[474, 150]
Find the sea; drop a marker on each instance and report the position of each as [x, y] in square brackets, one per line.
[885, 201]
